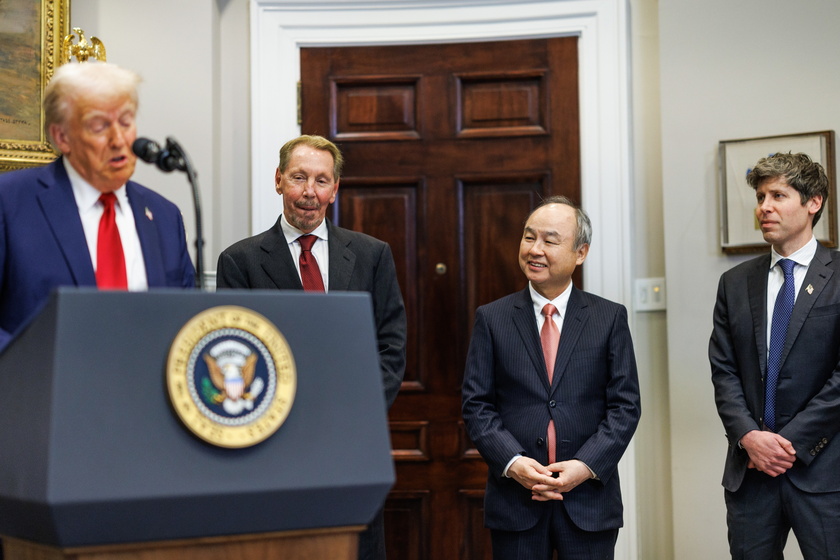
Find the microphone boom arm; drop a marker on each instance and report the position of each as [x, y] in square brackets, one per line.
[169, 159]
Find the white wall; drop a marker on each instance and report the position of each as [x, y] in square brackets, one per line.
[728, 70]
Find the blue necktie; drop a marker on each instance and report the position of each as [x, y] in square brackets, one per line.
[778, 333]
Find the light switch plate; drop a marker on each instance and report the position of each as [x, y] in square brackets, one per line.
[649, 294]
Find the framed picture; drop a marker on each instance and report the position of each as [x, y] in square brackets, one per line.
[740, 232]
[31, 35]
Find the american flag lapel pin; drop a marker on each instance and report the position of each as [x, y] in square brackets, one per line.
[149, 214]
[810, 289]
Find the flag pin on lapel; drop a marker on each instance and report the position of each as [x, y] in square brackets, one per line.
[810, 289]
[151, 217]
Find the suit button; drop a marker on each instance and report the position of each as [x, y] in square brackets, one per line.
[552, 404]
[540, 442]
[824, 441]
[813, 453]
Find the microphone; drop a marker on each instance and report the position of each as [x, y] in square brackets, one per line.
[168, 159]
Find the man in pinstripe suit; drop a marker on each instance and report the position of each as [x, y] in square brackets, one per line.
[552, 439]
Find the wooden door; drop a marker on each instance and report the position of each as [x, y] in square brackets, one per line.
[447, 149]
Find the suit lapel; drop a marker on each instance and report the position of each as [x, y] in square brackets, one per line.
[756, 283]
[526, 325]
[342, 259]
[59, 206]
[577, 314]
[148, 234]
[277, 260]
[815, 281]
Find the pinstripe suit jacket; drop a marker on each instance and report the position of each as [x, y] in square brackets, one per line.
[593, 400]
[808, 393]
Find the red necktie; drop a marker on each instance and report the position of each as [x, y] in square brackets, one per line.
[550, 339]
[310, 274]
[110, 260]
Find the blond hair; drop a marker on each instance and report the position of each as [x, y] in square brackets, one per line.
[90, 79]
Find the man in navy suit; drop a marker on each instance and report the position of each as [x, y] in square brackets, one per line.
[307, 177]
[776, 373]
[552, 435]
[49, 216]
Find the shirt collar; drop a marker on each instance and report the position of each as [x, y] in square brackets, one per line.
[86, 195]
[291, 233]
[802, 256]
[560, 302]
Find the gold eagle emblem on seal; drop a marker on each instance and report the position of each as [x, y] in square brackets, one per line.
[231, 377]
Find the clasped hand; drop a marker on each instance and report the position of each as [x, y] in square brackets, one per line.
[540, 479]
[769, 452]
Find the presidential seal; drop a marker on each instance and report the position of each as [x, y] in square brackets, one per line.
[231, 376]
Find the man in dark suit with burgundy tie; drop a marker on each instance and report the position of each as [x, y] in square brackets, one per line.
[775, 360]
[304, 250]
[551, 400]
[80, 221]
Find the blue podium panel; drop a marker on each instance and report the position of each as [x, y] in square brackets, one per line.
[93, 451]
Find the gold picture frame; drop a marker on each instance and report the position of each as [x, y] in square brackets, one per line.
[31, 36]
[739, 230]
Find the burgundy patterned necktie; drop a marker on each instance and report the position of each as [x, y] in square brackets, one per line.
[110, 259]
[550, 339]
[310, 274]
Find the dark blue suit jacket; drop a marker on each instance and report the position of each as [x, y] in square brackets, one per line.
[808, 392]
[593, 400]
[42, 242]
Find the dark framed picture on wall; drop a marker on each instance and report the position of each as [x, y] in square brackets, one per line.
[739, 229]
[31, 35]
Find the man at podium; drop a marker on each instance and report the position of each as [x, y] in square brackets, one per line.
[80, 221]
[304, 251]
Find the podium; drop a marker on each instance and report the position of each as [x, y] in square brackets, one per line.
[96, 463]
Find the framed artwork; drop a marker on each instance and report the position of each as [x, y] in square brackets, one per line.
[740, 232]
[31, 35]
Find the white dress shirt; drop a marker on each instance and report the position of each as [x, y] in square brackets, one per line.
[90, 211]
[776, 277]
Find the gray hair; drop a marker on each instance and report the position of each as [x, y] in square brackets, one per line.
[583, 231]
[317, 142]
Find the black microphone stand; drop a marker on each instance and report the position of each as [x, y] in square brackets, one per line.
[170, 158]
[175, 148]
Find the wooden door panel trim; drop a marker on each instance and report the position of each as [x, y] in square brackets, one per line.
[465, 444]
[375, 108]
[409, 441]
[497, 117]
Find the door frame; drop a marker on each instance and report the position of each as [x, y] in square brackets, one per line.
[280, 28]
